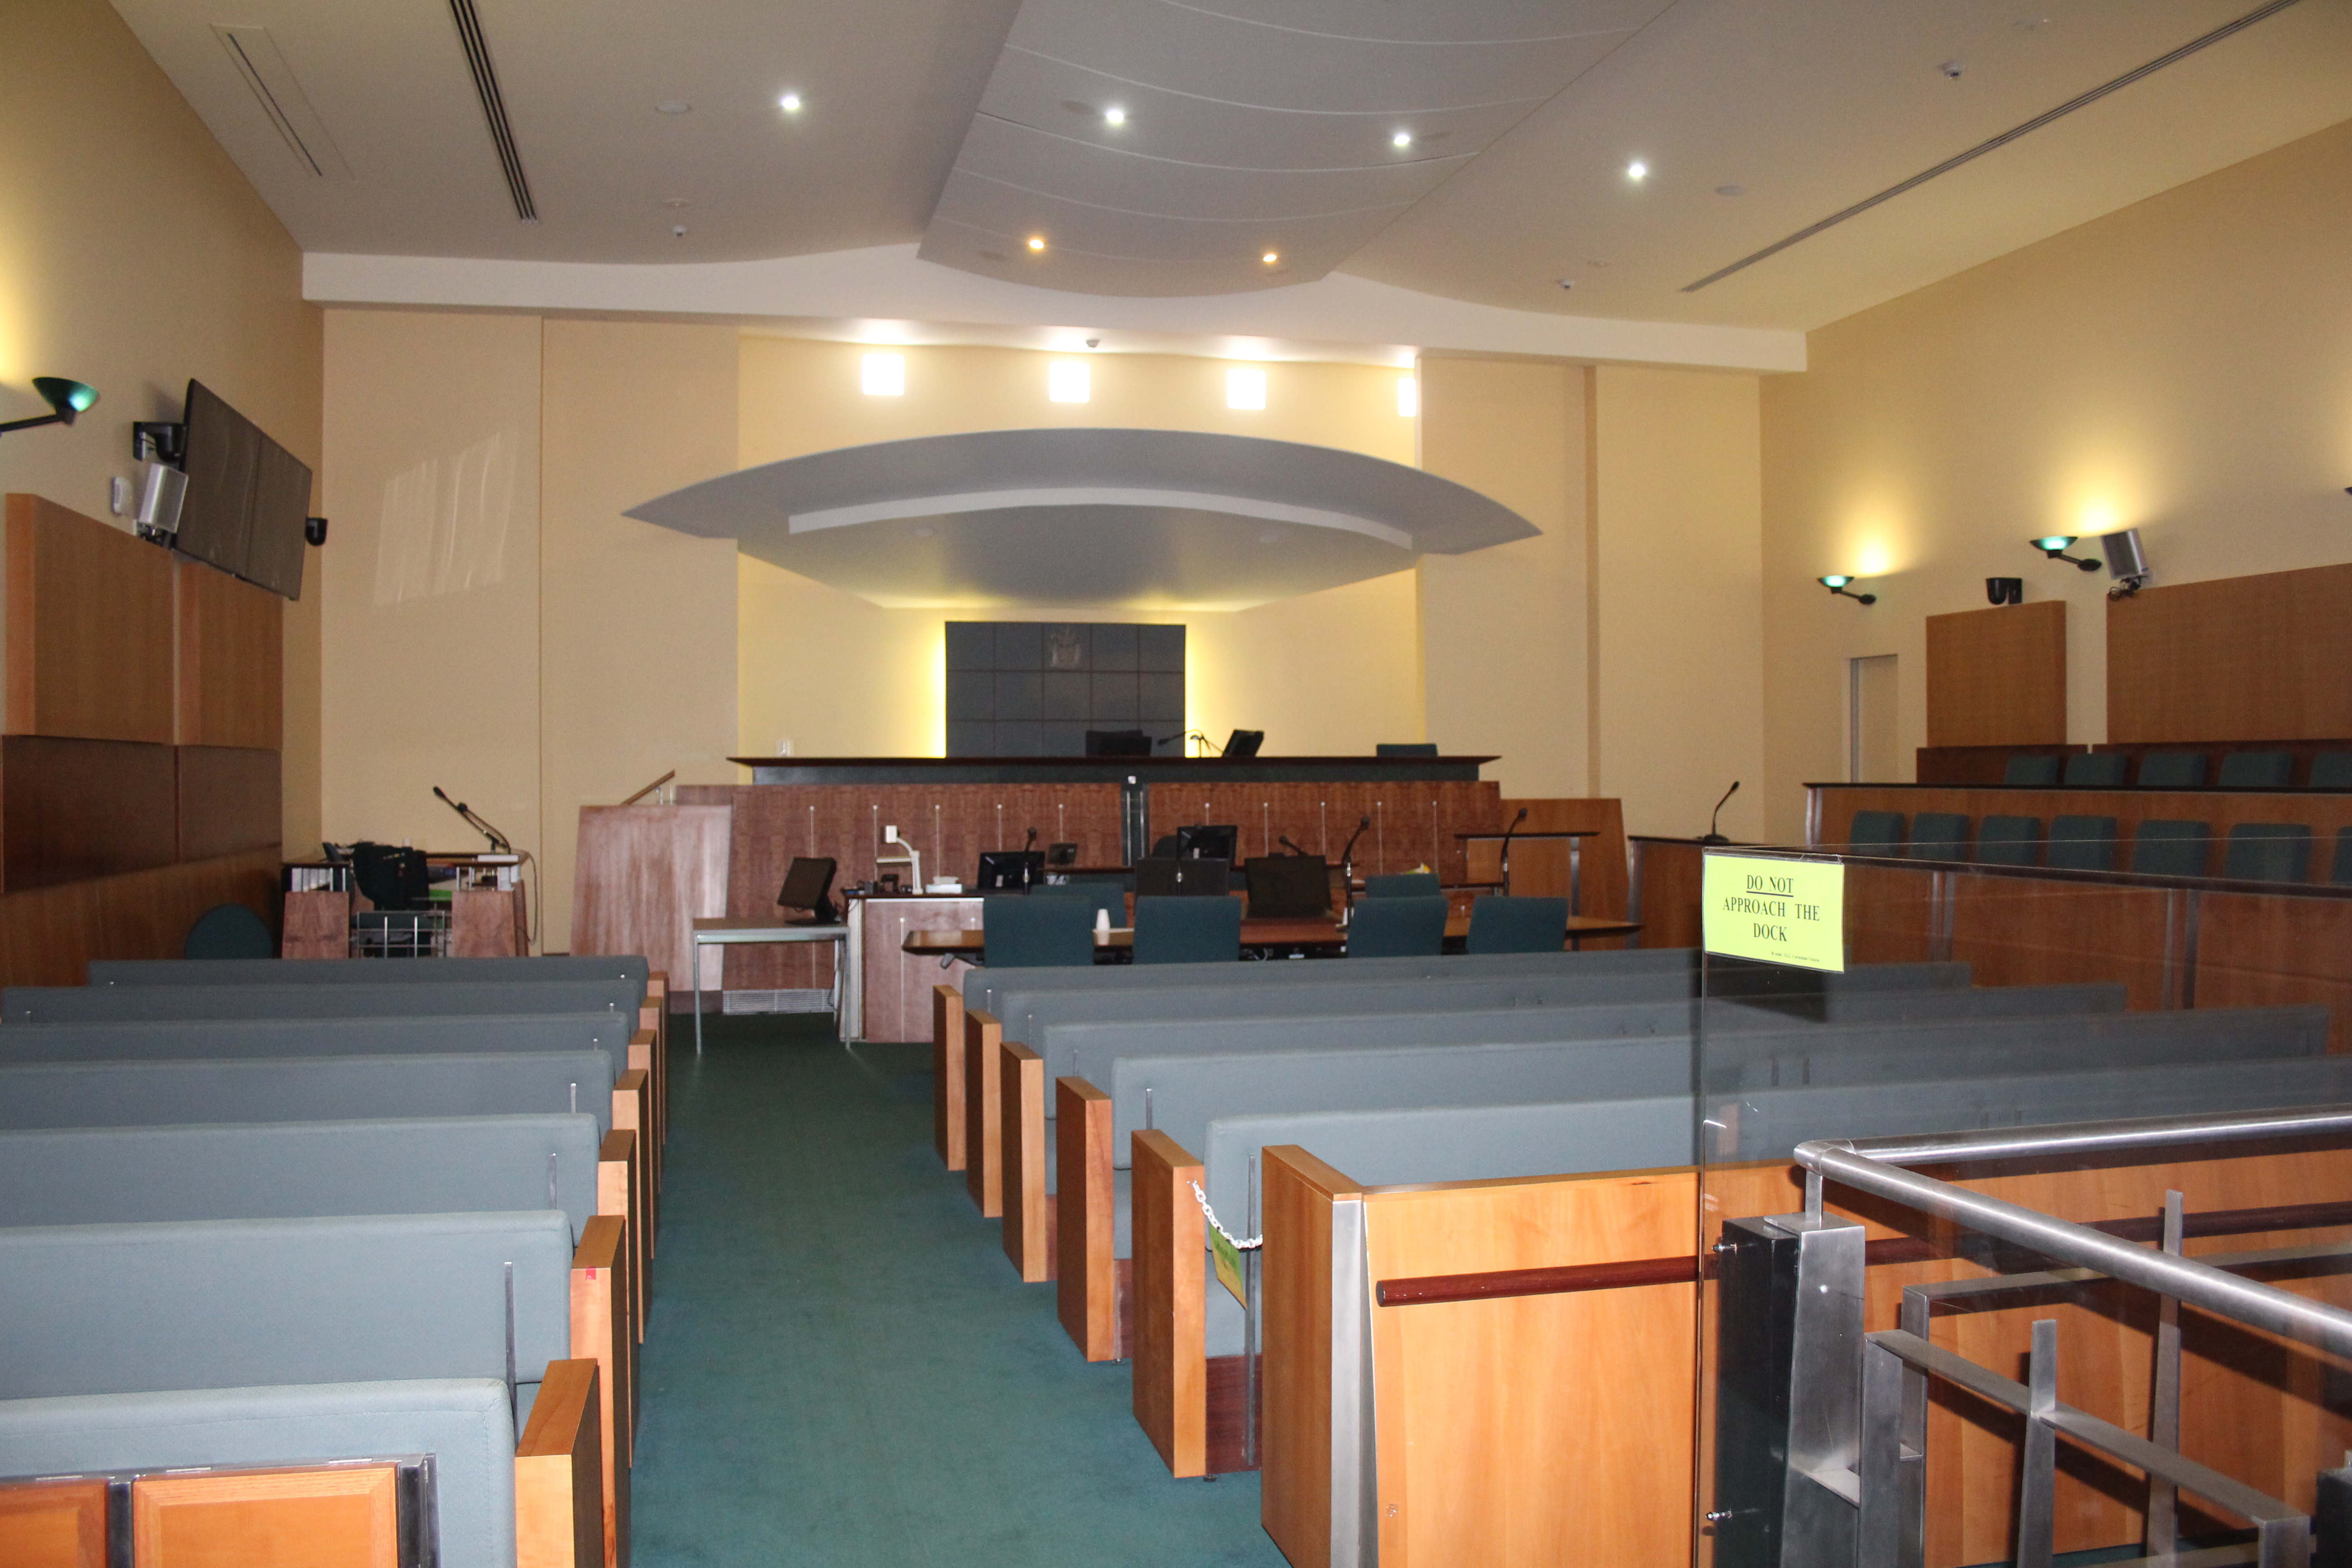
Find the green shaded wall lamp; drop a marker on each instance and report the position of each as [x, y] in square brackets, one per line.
[68, 398]
[2055, 546]
[1835, 582]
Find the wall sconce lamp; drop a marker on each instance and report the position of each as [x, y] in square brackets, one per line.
[1835, 582]
[66, 398]
[2055, 546]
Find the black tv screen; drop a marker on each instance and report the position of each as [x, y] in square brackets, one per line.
[247, 497]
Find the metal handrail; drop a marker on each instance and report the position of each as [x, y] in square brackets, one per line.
[1875, 1166]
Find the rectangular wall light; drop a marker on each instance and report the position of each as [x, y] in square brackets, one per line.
[883, 375]
[1244, 389]
[1408, 397]
[1067, 381]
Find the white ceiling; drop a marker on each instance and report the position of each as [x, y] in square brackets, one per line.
[1807, 108]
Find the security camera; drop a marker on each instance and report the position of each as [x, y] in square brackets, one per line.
[677, 231]
[1953, 69]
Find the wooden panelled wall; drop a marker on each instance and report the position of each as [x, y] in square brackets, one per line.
[1998, 677]
[2238, 658]
[139, 766]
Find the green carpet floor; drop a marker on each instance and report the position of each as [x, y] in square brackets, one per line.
[842, 1369]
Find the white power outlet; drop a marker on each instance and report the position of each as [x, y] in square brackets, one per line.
[118, 496]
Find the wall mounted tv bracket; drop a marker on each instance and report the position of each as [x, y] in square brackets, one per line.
[159, 441]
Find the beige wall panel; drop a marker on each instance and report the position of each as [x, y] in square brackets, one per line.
[1998, 677]
[133, 255]
[2178, 366]
[1335, 671]
[1503, 630]
[638, 631]
[430, 657]
[1679, 648]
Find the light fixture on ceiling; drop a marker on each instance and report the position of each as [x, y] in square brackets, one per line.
[2056, 545]
[1836, 583]
[1114, 115]
[1401, 139]
[1271, 256]
[790, 103]
[66, 399]
[883, 376]
[1068, 381]
[1408, 397]
[673, 106]
[1568, 282]
[1036, 242]
[1637, 170]
[1246, 389]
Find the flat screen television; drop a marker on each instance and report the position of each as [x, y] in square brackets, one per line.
[247, 497]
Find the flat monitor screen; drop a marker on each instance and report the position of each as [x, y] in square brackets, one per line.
[808, 884]
[1010, 870]
[247, 499]
[1166, 877]
[1244, 742]
[1218, 840]
[1061, 854]
[1288, 887]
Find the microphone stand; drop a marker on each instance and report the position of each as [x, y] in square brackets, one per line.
[500, 843]
[1514, 827]
[1348, 865]
[1712, 836]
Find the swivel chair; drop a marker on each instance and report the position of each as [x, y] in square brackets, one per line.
[1397, 927]
[1499, 924]
[1022, 932]
[1188, 931]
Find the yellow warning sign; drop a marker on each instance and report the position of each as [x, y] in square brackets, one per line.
[1777, 911]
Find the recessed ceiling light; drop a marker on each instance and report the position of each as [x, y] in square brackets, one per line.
[790, 103]
[1114, 116]
[1401, 139]
[674, 201]
[1271, 256]
[1637, 170]
[1568, 282]
[1246, 389]
[1731, 190]
[1408, 397]
[883, 376]
[1068, 381]
[673, 106]
[1036, 242]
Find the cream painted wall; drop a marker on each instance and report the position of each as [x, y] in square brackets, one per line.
[1503, 631]
[1335, 671]
[637, 623]
[431, 646]
[133, 255]
[2183, 366]
[1678, 652]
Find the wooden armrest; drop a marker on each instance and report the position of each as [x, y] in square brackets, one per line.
[559, 1473]
[616, 1189]
[1021, 1074]
[1086, 1288]
[633, 1108]
[52, 1524]
[339, 1514]
[603, 1309]
[983, 1130]
[645, 1051]
[1171, 1367]
[946, 1075]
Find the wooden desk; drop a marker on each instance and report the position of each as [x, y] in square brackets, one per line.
[1113, 946]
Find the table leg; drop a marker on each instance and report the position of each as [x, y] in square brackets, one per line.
[695, 956]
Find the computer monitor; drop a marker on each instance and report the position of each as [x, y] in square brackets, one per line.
[1117, 744]
[1059, 856]
[1010, 870]
[808, 885]
[1244, 742]
[1163, 877]
[1288, 887]
[1214, 840]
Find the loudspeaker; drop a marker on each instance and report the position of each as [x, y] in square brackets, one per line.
[2005, 590]
[314, 529]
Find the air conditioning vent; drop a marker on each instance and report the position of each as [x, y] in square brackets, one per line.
[494, 106]
[259, 60]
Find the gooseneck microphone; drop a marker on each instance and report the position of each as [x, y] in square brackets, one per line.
[1284, 839]
[1712, 836]
[499, 841]
[1348, 856]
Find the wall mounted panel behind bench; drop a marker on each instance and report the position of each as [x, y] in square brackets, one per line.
[71, 809]
[89, 627]
[229, 799]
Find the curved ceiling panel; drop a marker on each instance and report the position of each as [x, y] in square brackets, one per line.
[1298, 130]
[1142, 519]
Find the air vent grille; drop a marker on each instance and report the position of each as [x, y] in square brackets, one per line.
[494, 106]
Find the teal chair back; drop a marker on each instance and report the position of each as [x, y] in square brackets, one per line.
[2083, 844]
[1187, 931]
[1397, 927]
[1875, 833]
[2339, 869]
[2170, 848]
[1499, 924]
[1939, 836]
[2096, 770]
[2172, 769]
[1107, 897]
[229, 930]
[2256, 770]
[2268, 852]
[2332, 770]
[2030, 770]
[1023, 932]
[2009, 841]
[1402, 885]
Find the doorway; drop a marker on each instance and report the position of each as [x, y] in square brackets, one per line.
[1873, 755]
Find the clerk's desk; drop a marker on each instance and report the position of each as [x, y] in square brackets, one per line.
[1260, 938]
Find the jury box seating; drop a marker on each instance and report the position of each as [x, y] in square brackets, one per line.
[1179, 1096]
[237, 1342]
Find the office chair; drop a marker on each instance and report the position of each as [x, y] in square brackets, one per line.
[1398, 928]
[1875, 833]
[1106, 897]
[1402, 885]
[229, 930]
[2268, 852]
[2034, 770]
[2332, 770]
[1499, 924]
[393, 877]
[2339, 869]
[2172, 769]
[2256, 770]
[1188, 931]
[2096, 770]
[1939, 836]
[2083, 844]
[2170, 848]
[2009, 841]
[1023, 932]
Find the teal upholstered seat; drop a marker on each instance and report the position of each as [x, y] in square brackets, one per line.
[2170, 848]
[1402, 885]
[2268, 852]
[2172, 769]
[2043, 771]
[2096, 770]
[1396, 928]
[2083, 844]
[229, 930]
[1187, 931]
[1023, 932]
[1939, 836]
[2009, 841]
[2256, 770]
[1517, 925]
[1875, 833]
